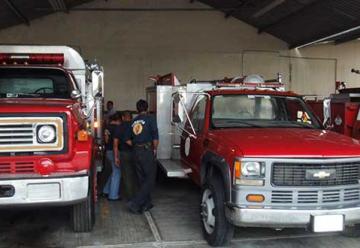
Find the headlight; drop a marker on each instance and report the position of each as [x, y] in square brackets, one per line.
[249, 169]
[46, 134]
[249, 173]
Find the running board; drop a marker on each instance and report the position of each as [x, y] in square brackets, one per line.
[173, 168]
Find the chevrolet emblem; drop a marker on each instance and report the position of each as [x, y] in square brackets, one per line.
[322, 174]
[313, 174]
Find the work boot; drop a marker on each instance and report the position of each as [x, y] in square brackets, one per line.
[147, 207]
[133, 208]
[117, 199]
[103, 195]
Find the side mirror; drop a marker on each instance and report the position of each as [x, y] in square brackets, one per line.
[97, 83]
[179, 114]
[75, 94]
[177, 110]
[327, 113]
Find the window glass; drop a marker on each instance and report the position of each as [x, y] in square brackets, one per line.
[244, 107]
[34, 82]
[261, 111]
[198, 114]
[26, 85]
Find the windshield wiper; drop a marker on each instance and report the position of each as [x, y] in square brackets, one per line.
[301, 124]
[16, 95]
[241, 123]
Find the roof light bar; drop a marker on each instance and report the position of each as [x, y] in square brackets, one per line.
[251, 85]
[252, 81]
[32, 58]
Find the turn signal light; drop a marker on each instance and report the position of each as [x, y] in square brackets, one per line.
[45, 167]
[82, 135]
[255, 198]
[237, 169]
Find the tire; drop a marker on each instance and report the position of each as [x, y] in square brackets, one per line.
[83, 213]
[217, 230]
[352, 231]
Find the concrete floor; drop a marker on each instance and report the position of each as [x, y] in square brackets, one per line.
[174, 222]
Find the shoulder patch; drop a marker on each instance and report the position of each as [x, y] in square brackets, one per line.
[137, 128]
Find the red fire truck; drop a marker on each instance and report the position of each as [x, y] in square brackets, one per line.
[50, 130]
[340, 111]
[259, 154]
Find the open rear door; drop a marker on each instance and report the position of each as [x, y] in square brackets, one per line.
[178, 115]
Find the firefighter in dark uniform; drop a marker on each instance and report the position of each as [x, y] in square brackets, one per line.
[144, 137]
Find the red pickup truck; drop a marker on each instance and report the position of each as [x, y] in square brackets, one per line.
[260, 156]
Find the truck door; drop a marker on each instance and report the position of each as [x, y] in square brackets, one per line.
[192, 145]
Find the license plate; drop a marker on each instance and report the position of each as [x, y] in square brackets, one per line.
[327, 223]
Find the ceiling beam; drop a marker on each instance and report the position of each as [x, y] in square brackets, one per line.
[17, 12]
[138, 9]
[241, 4]
[347, 38]
[59, 5]
[329, 37]
[268, 8]
[290, 15]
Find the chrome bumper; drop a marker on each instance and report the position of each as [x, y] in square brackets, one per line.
[46, 191]
[281, 218]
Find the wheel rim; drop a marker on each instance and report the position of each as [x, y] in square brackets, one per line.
[207, 211]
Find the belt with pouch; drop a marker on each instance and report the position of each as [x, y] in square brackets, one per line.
[144, 145]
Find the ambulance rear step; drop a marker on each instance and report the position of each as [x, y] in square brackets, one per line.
[173, 168]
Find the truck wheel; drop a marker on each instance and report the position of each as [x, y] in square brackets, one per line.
[83, 214]
[216, 228]
[352, 231]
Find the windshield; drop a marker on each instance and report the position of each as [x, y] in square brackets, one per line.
[34, 82]
[261, 111]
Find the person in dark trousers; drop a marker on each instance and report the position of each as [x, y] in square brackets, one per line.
[124, 152]
[111, 188]
[144, 137]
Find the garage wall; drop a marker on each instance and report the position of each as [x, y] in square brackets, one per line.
[346, 56]
[304, 75]
[134, 45]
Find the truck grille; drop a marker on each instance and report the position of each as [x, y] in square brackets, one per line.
[16, 134]
[305, 197]
[19, 134]
[16, 167]
[296, 174]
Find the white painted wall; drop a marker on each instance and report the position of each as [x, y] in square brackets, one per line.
[347, 56]
[134, 45]
[311, 70]
[303, 75]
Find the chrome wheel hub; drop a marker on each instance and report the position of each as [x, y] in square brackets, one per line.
[207, 211]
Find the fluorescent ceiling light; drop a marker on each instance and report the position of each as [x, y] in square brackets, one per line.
[268, 7]
[328, 37]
